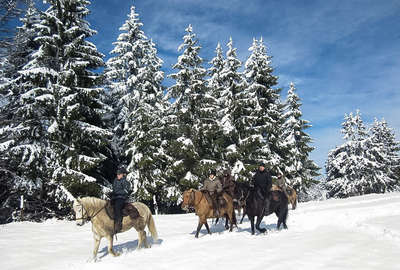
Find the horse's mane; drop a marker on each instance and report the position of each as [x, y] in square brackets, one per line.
[92, 202]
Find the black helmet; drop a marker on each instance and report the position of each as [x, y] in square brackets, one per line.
[121, 170]
[212, 172]
[227, 172]
[261, 164]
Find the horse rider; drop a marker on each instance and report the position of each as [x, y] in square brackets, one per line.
[121, 192]
[262, 181]
[228, 185]
[214, 188]
[281, 183]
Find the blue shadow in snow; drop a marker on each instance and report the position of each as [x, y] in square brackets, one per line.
[128, 247]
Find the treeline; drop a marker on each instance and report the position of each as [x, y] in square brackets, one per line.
[65, 127]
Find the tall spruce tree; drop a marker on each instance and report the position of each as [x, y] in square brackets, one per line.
[236, 121]
[299, 169]
[136, 79]
[191, 118]
[29, 110]
[267, 145]
[77, 133]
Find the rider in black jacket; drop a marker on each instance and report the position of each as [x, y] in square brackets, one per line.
[121, 191]
[262, 181]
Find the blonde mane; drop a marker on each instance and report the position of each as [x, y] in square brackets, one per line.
[92, 203]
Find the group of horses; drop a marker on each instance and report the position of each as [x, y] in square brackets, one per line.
[98, 212]
[245, 197]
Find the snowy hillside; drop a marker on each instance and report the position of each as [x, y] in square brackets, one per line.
[355, 233]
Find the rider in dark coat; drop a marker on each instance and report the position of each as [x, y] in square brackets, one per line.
[228, 185]
[121, 192]
[262, 181]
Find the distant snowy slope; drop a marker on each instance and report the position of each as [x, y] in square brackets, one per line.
[356, 233]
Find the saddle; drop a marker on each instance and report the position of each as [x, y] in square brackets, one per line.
[127, 210]
[221, 202]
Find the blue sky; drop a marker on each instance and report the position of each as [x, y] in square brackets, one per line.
[342, 55]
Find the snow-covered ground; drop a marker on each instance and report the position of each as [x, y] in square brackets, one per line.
[356, 233]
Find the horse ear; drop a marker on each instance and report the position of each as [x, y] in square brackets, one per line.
[192, 195]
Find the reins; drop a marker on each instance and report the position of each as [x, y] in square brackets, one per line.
[88, 218]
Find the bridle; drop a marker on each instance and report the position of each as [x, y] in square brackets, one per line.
[87, 218]
[243, 196]
[190, 203]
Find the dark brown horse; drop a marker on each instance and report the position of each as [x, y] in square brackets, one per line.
[255, 207]
[196, 199]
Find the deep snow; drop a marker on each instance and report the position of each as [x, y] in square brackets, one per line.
[356, 233]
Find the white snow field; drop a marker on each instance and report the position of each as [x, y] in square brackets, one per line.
[356, 233]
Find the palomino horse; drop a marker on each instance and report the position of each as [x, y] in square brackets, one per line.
[197, 200]
[94, 209]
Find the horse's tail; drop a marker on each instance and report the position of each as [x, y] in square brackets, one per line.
[152, 227]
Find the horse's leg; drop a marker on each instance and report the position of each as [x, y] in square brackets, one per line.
[97, 240]
[231, 219]
[252, 224]
[142, 240]
[279, 215]
[284, 218]
[110, 238]
[258, 222]
[198, 228]
[227, 218]
[244, 214]
[208, 228]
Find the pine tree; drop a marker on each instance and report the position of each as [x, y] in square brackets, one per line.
[77, 133]
[28, 112]
[266, 143]
[191, 122]
[386, 149]
[216, 86]
[299, 169]
[236, 121]
[136, 87]
[122, 73]
[355, 168]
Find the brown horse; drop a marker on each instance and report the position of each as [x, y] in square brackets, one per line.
[291, 195]
[197, 200]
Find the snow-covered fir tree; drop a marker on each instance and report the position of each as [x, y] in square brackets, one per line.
[266, 137]
[135, 86]
[191, 118]
[356, 167]
[27, 113]
[216, 86]
[122, 73]
[236, 107]
[386, 149]
[77, 133]
[299, 170]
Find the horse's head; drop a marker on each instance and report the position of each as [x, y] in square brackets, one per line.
[188, 199]
[81, 215]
